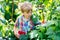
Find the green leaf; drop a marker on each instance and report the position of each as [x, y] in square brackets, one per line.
[56, 37]
[0, 34]
[23, 37]
[40, 35]
[58, 9]
[34, 18]
[49, 31]
[33, 34]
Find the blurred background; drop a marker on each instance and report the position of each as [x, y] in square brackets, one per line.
[48, 12]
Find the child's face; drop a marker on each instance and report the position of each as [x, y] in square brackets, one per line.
[27, 15]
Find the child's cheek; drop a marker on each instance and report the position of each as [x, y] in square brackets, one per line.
[30, 14]
[27, 15]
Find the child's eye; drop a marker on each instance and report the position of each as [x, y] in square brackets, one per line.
[29, 11]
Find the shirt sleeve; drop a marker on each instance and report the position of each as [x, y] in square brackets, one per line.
[17, 22]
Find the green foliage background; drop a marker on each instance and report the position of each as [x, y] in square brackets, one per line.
[45, 10]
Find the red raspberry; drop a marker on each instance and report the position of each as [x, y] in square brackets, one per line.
[21, 32]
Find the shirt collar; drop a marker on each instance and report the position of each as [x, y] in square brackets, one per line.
[24, 19]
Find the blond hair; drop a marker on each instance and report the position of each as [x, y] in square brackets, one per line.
[26, 7]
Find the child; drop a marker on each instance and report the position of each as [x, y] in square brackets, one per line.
[24, 23]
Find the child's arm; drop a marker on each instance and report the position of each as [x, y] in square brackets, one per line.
[16, 29]
[16, 32]
[38, 23]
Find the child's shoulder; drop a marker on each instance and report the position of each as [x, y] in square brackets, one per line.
[19, 17]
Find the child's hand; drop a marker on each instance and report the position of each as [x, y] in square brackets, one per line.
[16, 33]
